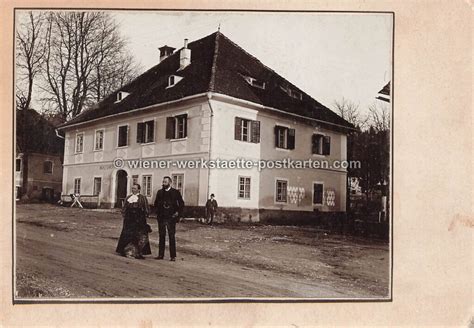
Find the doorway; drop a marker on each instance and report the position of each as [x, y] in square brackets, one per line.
[121, 188]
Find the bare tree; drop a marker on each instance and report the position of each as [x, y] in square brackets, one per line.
[84, 54]
[350, 112]
[29, 56]
[379, 116]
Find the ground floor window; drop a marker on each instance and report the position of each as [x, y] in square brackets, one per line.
[281, 191]
[18, 165]
[77, 186]
[97, 185]
[318, 193]
[146, 185]
[178, 182]
[244, 187]
[134, 181]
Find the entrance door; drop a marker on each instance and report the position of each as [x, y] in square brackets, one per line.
[48, 194]
[121, 187]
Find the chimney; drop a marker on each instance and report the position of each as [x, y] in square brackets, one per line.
[184, 55]
[165, 51]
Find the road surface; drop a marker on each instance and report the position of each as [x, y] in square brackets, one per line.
[70, 253]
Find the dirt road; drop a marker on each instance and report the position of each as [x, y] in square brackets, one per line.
[69, 253]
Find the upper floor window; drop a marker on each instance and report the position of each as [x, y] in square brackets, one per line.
[122, 136]
[18, 165]
[244, 187]
[281, 191]
[173, 80]
[284, 137]
[48, 167]
[146, 131]
[79, 142]
[177, 127]
[247, 130]
[99, 140]
[321, 144]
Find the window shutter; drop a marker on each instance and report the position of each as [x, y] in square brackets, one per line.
[255, 131]
[170, 127]
[314, 144]
[276, 131]
[238, 128]
[185, 125]
[140, 132]
[291, 139]
[127, 136]
[150, 131]
[327, 145]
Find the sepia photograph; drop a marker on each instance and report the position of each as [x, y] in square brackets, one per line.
[196, 156]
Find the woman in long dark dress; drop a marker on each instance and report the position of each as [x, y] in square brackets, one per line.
[134, 240]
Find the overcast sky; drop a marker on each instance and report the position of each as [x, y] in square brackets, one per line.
[327, 55]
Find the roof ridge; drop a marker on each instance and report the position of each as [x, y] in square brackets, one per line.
[214, 62]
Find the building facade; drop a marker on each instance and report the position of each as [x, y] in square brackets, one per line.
[194, 117]
[39, 156]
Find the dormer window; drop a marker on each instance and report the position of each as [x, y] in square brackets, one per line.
[173, 80]
[254, 82]
[121, 95]
[292, 93]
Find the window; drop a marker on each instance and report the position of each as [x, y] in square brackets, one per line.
[122, 136]
[146, 131]
[173, 80]
[146, 185]
[77, 186]
[284, 137]
[178, 182]
[177, 127]
[244, 187]
[48, 167]
[254, 82]
[99, 140]
[18, 165]
[318, 193]
[281, 191]
[134, 180]
[246, 130]
[321, 144]
[79, 142]
[97, 185]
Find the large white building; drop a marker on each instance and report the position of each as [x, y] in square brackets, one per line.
[206, 101]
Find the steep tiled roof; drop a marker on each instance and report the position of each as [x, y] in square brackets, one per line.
[217, 65]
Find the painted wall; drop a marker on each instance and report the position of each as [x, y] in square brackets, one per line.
[37, 179]
[224, 182]
[91, 163]
[210, 136]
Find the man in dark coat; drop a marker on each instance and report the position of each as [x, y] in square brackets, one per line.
[211, 208]
[169, 207]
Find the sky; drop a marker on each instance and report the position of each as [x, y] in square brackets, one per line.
[330, 56]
